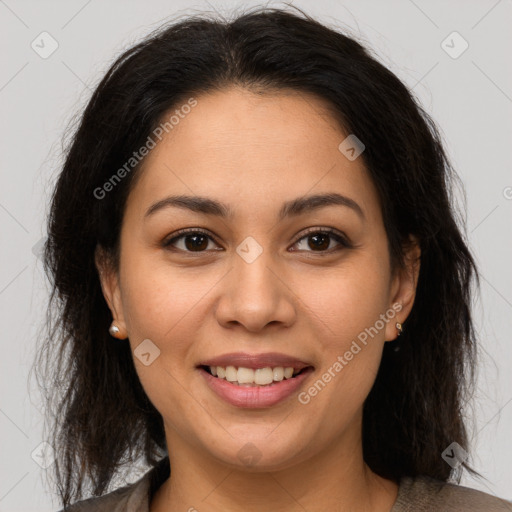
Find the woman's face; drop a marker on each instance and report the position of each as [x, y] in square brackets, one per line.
[255, 281]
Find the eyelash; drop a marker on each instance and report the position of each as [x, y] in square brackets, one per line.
[341, 239]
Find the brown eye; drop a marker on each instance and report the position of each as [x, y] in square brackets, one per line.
[316, 240]
[320, 241]
[189, 241]
[196, 242]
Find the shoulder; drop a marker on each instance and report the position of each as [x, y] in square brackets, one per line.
[423, 493]
[133, 498]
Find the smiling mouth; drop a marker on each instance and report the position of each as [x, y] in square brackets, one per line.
[260, 377]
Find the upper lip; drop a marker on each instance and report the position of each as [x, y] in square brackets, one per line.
[254, 361]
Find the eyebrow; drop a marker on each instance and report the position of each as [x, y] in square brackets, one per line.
[291, 208]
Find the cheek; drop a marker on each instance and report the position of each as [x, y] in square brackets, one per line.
[167, 307]
[161, 304]
[345, 306]
[345, 300]
[155, 296]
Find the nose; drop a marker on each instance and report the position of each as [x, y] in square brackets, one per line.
[255, 294]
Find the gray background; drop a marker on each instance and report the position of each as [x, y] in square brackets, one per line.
[470, 97]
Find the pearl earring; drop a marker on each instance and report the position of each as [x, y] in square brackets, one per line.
[113, 330]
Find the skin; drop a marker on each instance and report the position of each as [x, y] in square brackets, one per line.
[253, 152]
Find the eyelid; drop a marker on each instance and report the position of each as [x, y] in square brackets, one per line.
[185, 231]
[339, 236]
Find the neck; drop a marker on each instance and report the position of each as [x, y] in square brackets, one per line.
[336, 479]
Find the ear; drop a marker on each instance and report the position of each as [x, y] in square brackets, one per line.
[403, 286]
[110, 287]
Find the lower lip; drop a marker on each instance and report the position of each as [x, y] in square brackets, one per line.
[255, 396]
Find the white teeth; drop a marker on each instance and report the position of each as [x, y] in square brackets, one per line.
[263, 376]
[245, 376]
[231, 373]
[278, 373]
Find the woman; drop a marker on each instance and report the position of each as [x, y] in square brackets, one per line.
[260, 285]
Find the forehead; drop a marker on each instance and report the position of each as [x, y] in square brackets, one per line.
[260, 149]
[237, 119]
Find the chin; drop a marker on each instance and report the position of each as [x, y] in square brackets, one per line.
[257, 453]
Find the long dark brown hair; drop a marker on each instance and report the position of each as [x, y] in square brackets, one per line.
[100, 417]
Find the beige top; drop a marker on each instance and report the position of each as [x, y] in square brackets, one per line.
[420, 494]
